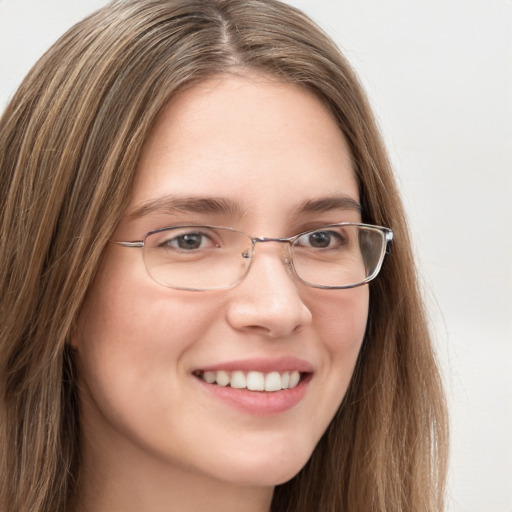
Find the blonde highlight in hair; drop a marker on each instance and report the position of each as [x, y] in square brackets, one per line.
[70, 141]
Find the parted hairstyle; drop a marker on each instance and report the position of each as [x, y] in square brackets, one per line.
[70, 141]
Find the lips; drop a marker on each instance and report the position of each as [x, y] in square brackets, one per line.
[258, 386]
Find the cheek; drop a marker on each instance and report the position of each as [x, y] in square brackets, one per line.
[123, 331]
[132, 338]
[339, 324]
[342, 320]
[131, 347]
[342, 324]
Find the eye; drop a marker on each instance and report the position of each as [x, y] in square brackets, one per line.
[188, 241]
[322, 239]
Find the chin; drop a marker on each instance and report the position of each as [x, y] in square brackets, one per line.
[270, 476]
[268, 468]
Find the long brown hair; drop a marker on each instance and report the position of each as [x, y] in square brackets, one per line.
[70, 140]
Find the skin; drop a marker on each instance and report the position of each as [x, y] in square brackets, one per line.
[153, 439]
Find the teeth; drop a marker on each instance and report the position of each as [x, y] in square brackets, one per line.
[294, 379]
[210, 377]
[238, 380]
[254, 381]
[273, 382]
[222, 378]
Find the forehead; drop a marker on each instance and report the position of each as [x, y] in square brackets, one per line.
[252, 140]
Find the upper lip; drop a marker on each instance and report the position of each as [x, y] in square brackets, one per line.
[263, 364]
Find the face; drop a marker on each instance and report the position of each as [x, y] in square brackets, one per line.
[251, 154]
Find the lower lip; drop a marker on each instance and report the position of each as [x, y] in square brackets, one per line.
[259, 403]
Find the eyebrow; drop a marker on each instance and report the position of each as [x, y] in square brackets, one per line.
[170, 204]
[192, 204]
[327, 204]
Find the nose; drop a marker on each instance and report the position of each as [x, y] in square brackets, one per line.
[268, 301]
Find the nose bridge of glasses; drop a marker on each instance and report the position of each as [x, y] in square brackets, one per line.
[285, 245]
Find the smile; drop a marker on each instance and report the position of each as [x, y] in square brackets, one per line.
[253, 380]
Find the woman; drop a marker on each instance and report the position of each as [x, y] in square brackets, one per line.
[195, 199]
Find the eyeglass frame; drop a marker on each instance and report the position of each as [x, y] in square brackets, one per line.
[387, 232]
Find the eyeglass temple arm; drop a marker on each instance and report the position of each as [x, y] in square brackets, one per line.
[138, 243]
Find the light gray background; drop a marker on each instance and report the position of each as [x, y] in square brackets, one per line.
[439, 75]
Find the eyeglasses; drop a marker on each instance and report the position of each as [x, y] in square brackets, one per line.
[194, 257]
